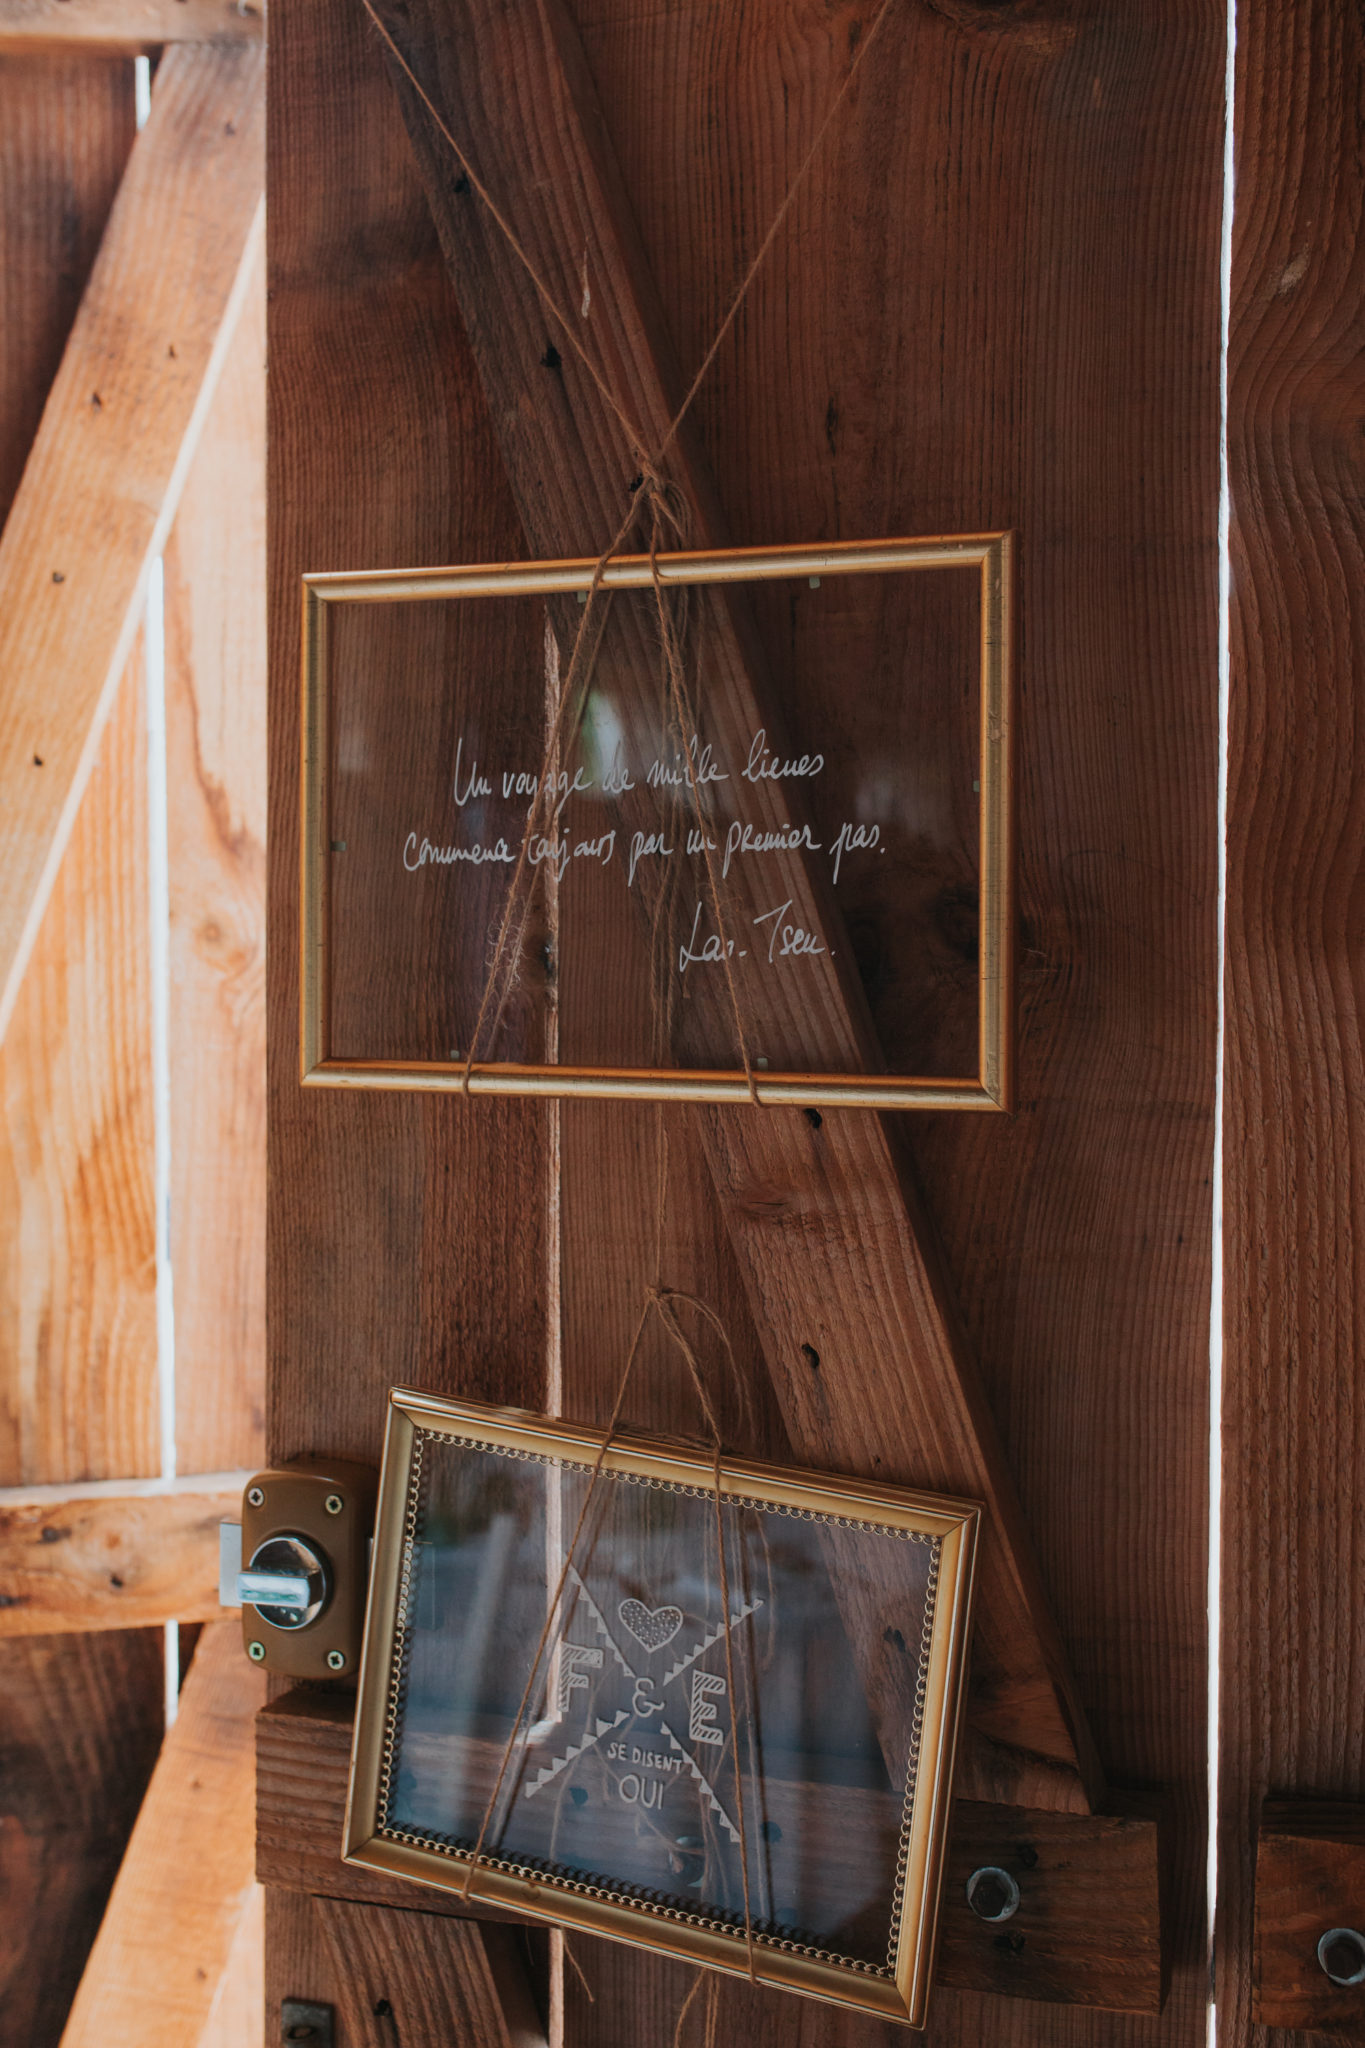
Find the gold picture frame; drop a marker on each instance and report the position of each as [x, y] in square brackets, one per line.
[991, 1088]
[414, 1624]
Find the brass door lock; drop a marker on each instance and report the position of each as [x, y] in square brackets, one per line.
[298, 1566]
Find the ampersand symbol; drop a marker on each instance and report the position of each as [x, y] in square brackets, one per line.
[640, 1705]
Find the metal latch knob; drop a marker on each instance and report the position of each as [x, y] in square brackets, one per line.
[286, 1582]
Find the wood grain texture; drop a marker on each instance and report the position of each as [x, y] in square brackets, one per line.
[77, 1245]
[1293, 1641]
[101, 483]
[66, 127]
[1310, 1879]
[127, 25]
[237, 2016]
[407, 1239]
[303, 1758]
[566, 461]
[1089, 1912]
[216, 777]
[81, 1719]
[80, 1716]
[1063, 382]
[117, 1561]
[992, 306]
[398, 1977]
[185, 1882]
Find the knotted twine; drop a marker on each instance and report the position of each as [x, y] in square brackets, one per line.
[661, 498]
[665, 507]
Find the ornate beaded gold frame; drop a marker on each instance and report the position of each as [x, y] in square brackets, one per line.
[898, 1990]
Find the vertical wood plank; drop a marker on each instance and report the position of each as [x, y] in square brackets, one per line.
[407, 1238]
[77, 1240]
[1294, 1303]
[390, 1977]
[216, 777]
[995, 304]
[66, 126]
[80, 1727]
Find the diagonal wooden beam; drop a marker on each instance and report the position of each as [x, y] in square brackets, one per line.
[187, 1878]
[829, 1230]
[100, 487]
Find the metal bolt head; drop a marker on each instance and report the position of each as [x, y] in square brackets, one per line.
[336, 1660]
[334, 1503]
[255, 1496]
[1341, 1955]
[256, 1652]
[992, 1894]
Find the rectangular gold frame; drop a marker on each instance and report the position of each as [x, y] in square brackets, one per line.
[954, 1523]
[991, 1088]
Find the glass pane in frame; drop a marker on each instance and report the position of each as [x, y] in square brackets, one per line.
[838, 885]
[636, 1757]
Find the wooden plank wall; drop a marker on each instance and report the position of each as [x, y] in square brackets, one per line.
[1293, 1638]
[81, 1717]
[996, 304]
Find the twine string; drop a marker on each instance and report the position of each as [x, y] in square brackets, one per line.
[552, 1606]
[664, 1302]
[518, 900]
[655, 492]
[547, 298]
[564, 723]
[761, 254]
[677, 695]
[652, 490]
[638, 440]
[577, 1967]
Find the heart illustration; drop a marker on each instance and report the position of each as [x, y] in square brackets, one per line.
[652, 1626]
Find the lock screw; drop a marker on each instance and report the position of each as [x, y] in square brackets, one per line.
[336, 1660]
[334, 1503]
[255, 1497]
[256, 1652]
